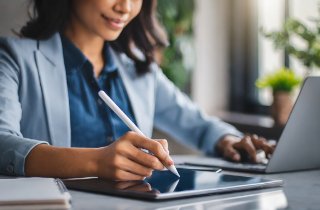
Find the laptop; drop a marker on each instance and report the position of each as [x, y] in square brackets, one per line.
[299, 143]
[164, 185]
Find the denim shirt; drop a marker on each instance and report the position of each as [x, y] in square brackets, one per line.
[93, 123]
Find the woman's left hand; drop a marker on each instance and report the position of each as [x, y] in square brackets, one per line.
[241, 149]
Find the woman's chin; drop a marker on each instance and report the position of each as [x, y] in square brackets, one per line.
[111, 35]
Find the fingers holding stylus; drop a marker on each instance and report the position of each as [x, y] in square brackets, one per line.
[144, 159]
[125, 164]
[164, 144]
[130, 146]
[121, 175]
[155, 147]
[124, 159]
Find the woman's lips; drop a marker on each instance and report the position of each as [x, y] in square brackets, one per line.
[115, 23]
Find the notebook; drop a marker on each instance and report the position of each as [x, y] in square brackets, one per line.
[33, 193]
[298, 146]
[165, 185]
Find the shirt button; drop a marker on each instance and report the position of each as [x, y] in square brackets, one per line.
[10, 169]
[100, 102]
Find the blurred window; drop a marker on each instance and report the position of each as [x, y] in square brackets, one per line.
[253, 55]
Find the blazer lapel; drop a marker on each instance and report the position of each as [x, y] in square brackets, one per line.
[49, 58]
[140, 90]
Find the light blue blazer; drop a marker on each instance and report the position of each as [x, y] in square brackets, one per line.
[34, 106]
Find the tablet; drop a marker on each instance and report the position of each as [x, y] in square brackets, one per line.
[165, 185]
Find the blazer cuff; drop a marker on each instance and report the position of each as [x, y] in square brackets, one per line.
[213, 136]
[13, 157]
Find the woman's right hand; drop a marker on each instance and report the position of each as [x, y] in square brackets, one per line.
[124, 160]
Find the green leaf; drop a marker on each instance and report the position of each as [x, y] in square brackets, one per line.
[309, 56]
[283, 79]
[177, 18]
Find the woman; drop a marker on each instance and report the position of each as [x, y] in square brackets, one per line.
[52, 122]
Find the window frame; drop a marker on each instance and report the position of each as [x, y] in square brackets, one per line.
[244, 58]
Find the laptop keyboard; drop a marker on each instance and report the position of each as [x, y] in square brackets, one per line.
[224, 164]
[249, 166]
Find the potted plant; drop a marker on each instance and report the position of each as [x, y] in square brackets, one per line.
[282, 82]
[307, 52]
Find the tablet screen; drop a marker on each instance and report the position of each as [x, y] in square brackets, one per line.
[164, 184]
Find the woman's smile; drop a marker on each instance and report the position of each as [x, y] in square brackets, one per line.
[115, 23]
[100, 18]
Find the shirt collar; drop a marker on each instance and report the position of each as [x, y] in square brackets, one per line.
[75, 59]
[110, 63]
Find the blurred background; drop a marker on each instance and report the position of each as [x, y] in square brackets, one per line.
[217, 51]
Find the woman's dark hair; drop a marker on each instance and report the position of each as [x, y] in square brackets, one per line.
[144, 31]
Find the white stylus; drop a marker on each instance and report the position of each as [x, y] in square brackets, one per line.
[129, 123]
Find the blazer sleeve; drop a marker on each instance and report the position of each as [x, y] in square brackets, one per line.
[14, 148]
[178, 116]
